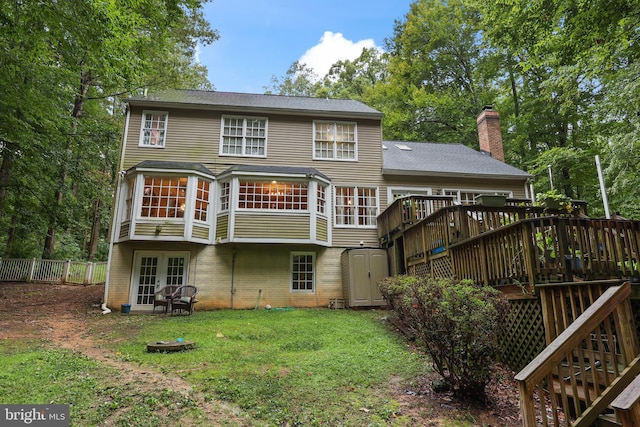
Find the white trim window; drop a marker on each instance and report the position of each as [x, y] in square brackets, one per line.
[467, 197]
[321, 204]
[335, 141]
[303, 271]
[153, 129]
[202, 200]
[164, 197]
[273, 195]
[129, 200]
[225, 188]
[356, 206]
[243, 136]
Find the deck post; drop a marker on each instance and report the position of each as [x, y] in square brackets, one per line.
[563, 249]
[530, 255]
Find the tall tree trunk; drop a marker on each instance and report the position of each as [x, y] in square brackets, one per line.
[76, 113]
[95, 230]
[5, 172]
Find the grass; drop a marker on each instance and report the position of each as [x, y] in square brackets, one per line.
[299, 367]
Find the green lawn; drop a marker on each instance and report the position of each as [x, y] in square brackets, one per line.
[302, 367]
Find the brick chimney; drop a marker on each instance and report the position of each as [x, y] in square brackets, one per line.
[489, 133]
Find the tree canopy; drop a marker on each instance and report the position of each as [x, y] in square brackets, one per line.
[64, 67]
[563, 75]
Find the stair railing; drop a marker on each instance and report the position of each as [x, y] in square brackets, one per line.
[575, 378]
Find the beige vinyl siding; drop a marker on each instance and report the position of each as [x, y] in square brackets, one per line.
[322, 229]
[189, 138]
[200, 232]
[272, 226]
[167, 230]
[222, 227]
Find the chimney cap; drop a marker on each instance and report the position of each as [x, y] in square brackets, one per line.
[487, 107]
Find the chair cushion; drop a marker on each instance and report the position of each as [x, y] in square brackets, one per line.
[159, 297]
[186, 300]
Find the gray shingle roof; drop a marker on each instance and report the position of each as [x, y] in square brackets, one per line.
[266, 169]
[177, 166]
[427, 158]
[256, 102]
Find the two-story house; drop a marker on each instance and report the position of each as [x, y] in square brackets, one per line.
[257, 196]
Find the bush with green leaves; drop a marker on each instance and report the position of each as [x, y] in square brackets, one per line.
[457, 322]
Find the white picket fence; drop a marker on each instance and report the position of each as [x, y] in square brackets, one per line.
[52, 271]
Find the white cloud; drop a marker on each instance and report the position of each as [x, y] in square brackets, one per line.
[333, 47]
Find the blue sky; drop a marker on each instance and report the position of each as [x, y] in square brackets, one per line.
[262, 38]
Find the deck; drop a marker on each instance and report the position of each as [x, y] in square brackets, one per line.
[573, 283]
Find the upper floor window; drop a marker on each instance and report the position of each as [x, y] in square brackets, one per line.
[244, 136]
[356, 206]
[154, 129]
[273, 195]
[334, 140]
[163, 197]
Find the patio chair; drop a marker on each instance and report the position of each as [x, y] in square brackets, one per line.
[162, 298]
[184, 298]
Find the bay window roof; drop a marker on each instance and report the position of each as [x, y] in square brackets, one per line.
[169, 166]
[275, 170]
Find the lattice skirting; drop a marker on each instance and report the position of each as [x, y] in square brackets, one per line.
[523, 339]
[441, 267]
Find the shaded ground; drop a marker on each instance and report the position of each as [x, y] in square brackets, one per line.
[64, 314]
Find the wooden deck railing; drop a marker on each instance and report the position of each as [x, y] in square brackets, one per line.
[405, 211]
[627, 404]
[585, 367]
[500, 250]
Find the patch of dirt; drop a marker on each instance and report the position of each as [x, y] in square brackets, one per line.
[64, 315]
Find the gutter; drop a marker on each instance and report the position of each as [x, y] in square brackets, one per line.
[116, 204]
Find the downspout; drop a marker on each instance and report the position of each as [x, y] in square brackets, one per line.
[105, 309]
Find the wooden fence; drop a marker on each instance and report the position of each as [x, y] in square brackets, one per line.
[52, 271]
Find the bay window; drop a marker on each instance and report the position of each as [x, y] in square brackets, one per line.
[273, 195]
[163, 197]
[202, 200]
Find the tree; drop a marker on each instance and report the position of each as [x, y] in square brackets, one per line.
[437, 79]
[299, 80]
[575, 54]
[63, 67]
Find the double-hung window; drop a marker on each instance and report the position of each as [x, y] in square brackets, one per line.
[202, 200]
[244, 136]
[303, 275]
[154, 129]
[334, 141]
[356, 206]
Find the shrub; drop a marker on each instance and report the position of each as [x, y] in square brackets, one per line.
[458, 323]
